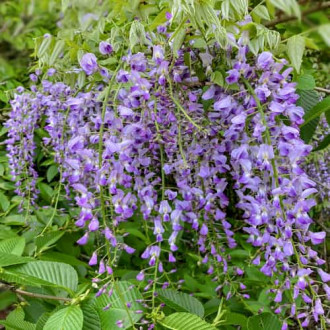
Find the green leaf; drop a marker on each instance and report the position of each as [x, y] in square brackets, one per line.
[217, 78]
[45, 44]
[308, 99]
[185, 321]
[46, 191]
[7, 259]
[91, 318]
[69, 318]
[317, 110]
[323, 144]
[42, 321]
[123, 292]
[61, 257]
[265, 321]
[181, 302]
[306, 82]
[15, 321]
[42, 242]
[324, 31]
[159, 19]
[262, 12]
[58, 48]
[137, 34]
[51, 173]
[4, 202]
[295, 49]
[14, 245]
[52, 273]
[7, 298]
[234, 319]
[241, 6]
[180, 34]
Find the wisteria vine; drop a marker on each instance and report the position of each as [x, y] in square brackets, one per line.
[154, 142]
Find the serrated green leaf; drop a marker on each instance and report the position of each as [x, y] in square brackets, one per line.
[295, 49]
[184, 321]
[123, 293]
[69, 318]
[307, 100]
[14, 245]
[263, 321]
[181, 302]
[50, 274]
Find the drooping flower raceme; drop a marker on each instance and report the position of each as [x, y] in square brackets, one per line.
[150, 144]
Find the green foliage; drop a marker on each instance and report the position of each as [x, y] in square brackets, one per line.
[183, 321]
[181, 302]
[66, 318]
[51, 263]
[263, 321]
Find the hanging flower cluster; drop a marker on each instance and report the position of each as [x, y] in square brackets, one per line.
[149, 143]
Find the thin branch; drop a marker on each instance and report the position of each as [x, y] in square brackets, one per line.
[324, 90]
[318, 7]
[38, 295]
[32, 294]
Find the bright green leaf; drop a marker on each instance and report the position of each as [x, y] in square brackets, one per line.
[185, 321]
[69, 318]
[295, 49]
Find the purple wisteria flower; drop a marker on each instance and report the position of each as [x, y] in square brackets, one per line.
[105, 48]
[88, 63]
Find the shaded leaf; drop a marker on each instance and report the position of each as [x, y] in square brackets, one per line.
[323, 144]
[181, 302]
[317, 110]
[263, 321]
